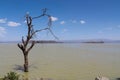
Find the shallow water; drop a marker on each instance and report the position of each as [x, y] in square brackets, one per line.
[64, 61]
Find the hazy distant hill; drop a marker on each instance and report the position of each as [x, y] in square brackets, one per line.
[70, 41]
[92, 41]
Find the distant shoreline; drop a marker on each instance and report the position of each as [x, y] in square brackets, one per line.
[68, 41]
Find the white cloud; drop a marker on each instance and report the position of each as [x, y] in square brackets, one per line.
[3, 20]
[74, 21]
[27, 12]
[82, 22]
[25, 22]
[13, 24]
[54, 18]
[62, 22]
[2, 31]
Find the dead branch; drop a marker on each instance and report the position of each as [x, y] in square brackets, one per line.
[30, 33]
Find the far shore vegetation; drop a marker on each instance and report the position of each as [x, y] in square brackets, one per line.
[66, 41]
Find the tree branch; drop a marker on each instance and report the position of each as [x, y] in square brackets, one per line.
[38, 16]
[23, 41]
[38, 31]
[53, 34]
[20, 46]
[31, 46]
[43, 14]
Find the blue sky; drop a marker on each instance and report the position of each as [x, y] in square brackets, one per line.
[72, 19]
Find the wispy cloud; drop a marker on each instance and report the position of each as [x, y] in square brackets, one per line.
[82, 22]
[2, 31]
[62, 22]
[13, 24]
[3, 20]
[54, 18]
[64, 30]
[74, 21]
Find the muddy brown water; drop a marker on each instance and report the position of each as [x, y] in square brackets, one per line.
[63, 61]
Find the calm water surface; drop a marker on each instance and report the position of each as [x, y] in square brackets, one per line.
[64, 61]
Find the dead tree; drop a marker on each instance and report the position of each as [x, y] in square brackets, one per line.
[26, 45]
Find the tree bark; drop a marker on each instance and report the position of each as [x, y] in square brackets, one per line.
[26, 63]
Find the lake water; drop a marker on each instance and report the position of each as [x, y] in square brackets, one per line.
[64, 61]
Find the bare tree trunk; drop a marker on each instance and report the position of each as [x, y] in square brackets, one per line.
[26, 63]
